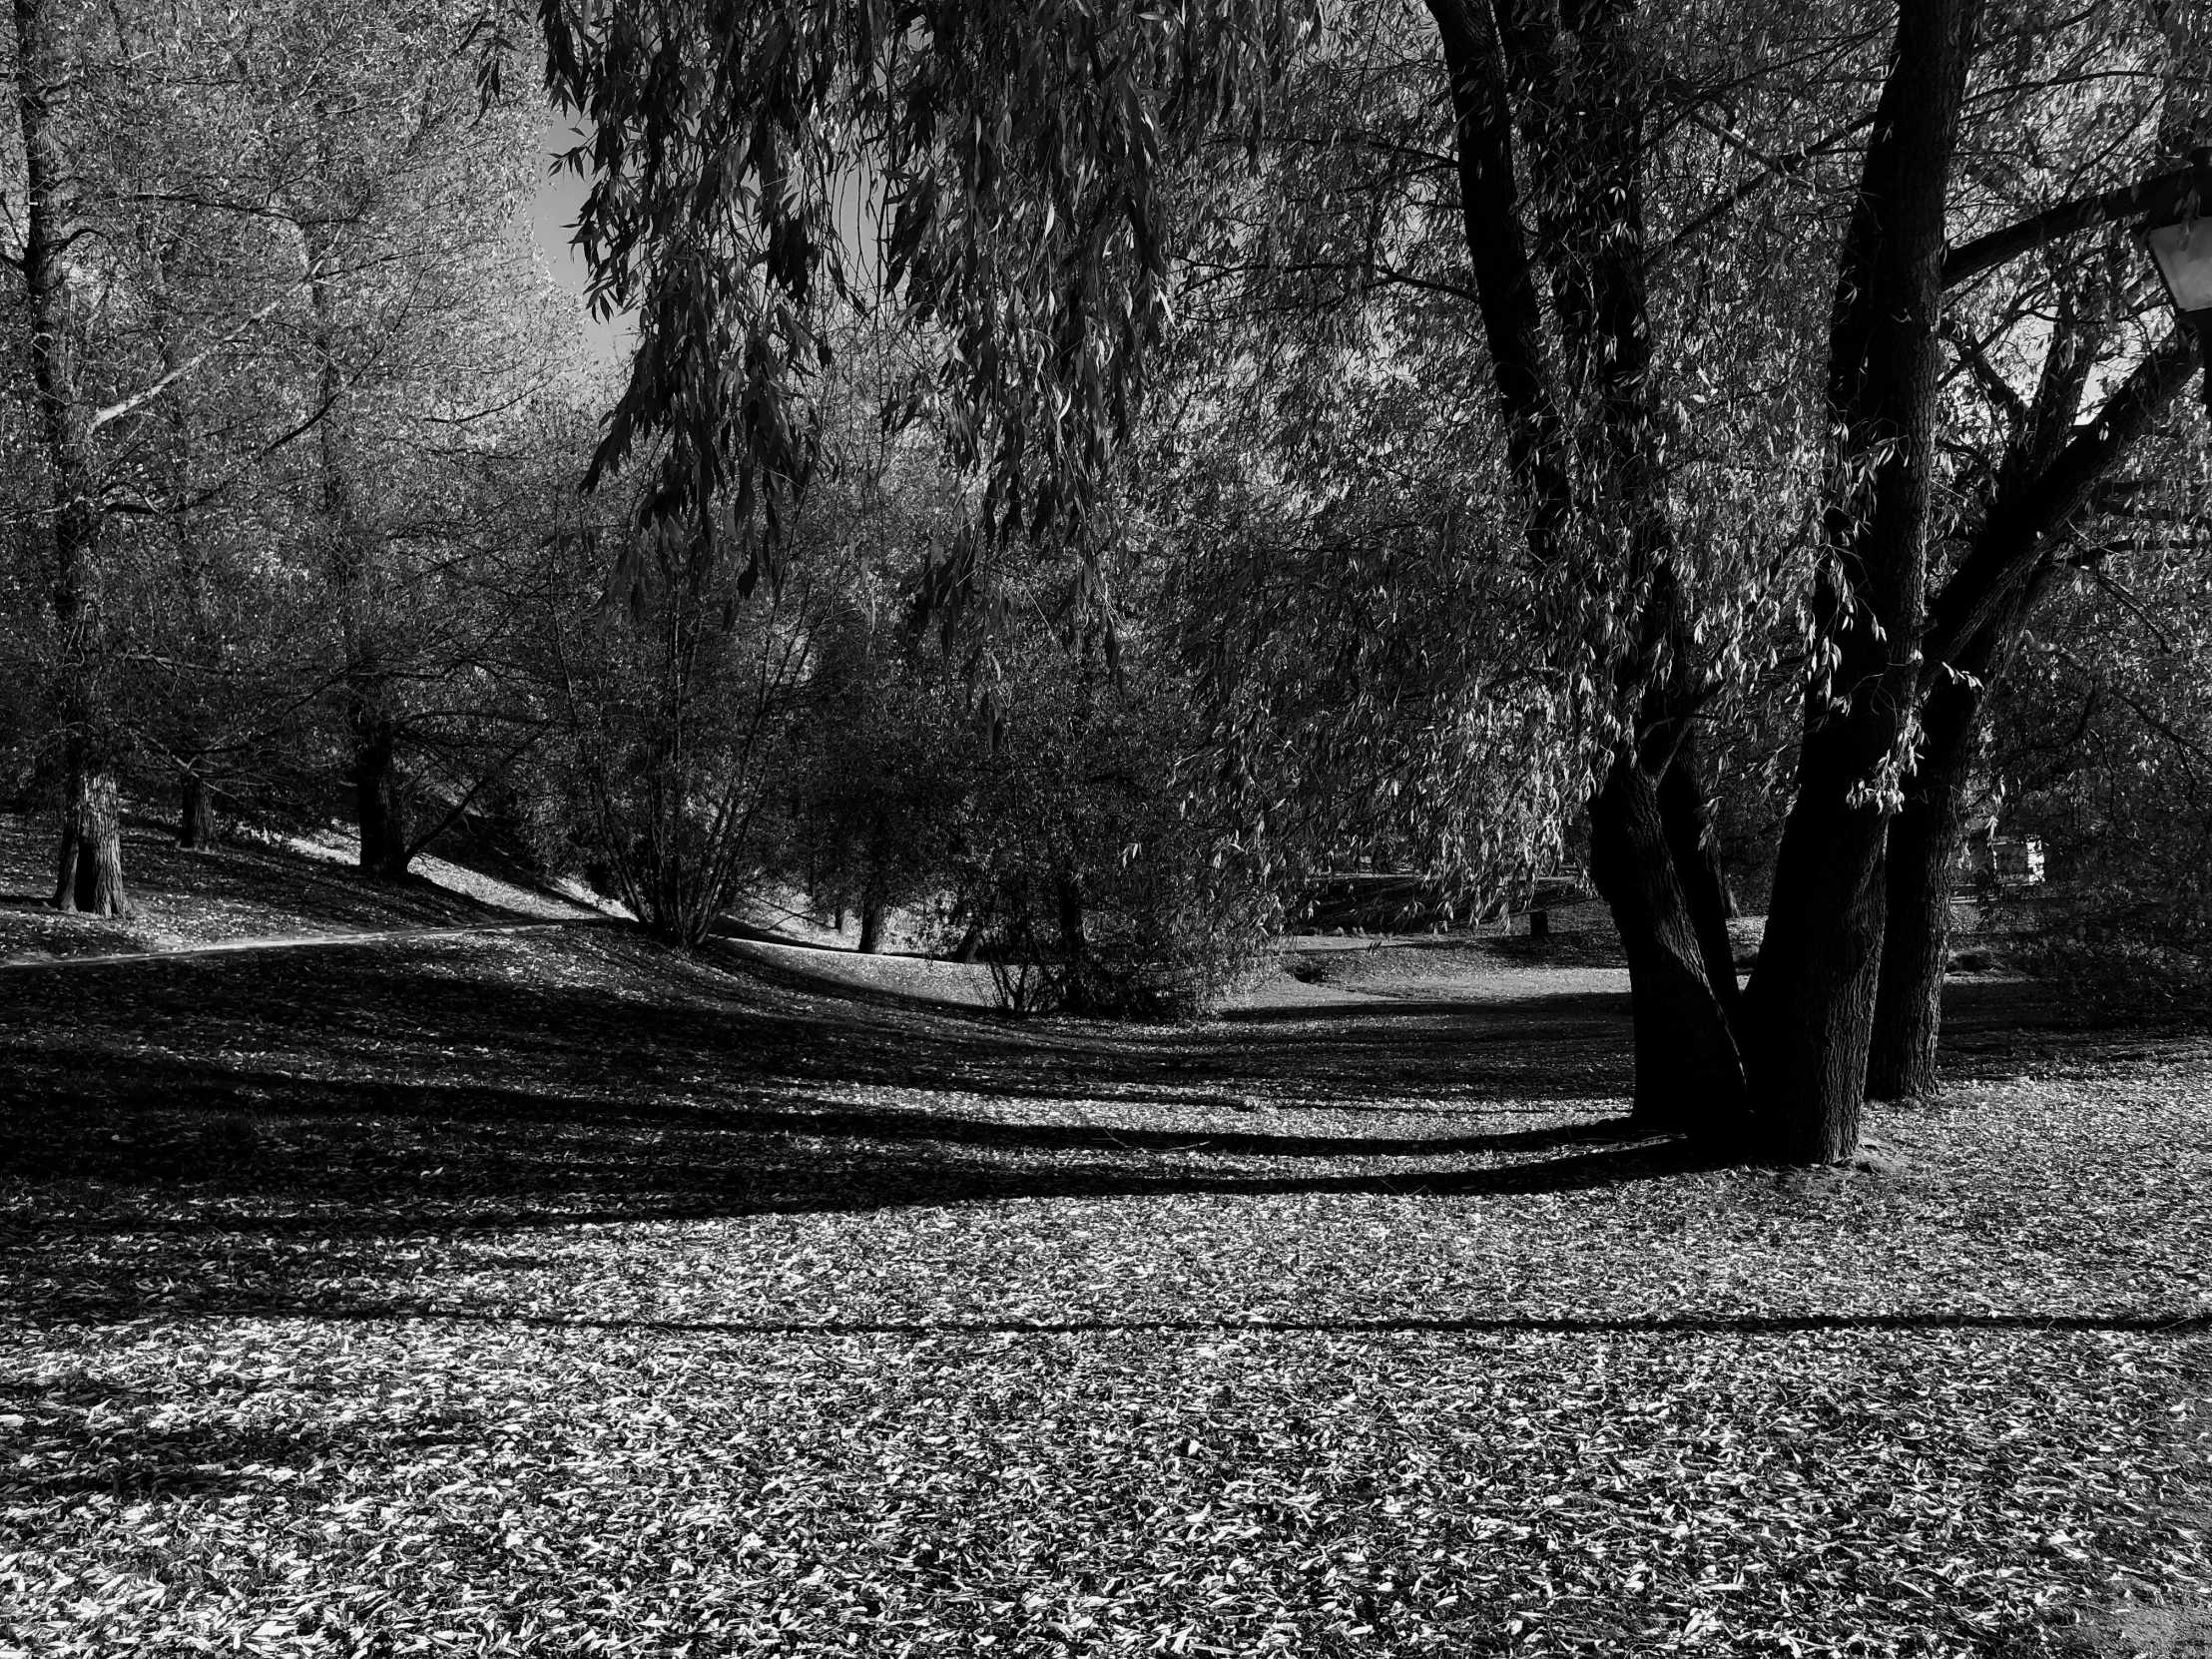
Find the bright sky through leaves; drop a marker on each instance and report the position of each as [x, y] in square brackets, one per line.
[552, 215]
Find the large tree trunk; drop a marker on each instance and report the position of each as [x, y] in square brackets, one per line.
[871, 927]
[88, 865]
[1813, 996]
[1809, 1014]
[1689, 1075]
[1563, 79]
[90, 874]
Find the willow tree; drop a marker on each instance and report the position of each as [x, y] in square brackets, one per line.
[1031, 163]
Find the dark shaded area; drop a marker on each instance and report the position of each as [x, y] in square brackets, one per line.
[215, 1133]
[96, 1442]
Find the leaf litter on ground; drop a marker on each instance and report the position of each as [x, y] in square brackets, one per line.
[556, 1294]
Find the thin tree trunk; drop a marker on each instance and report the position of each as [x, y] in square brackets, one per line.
[1068, 894]
[1919, 873]
[379, 801]
[372, 732]
[1922, 862]
[195, 830]
[1976, 622]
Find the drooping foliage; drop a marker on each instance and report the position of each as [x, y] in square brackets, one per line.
[999, 169]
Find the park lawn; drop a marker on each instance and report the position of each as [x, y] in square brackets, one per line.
[253, 887]
[549, 1294]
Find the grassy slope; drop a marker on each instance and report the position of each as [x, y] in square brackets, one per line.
[547, 1294]
[245, 888]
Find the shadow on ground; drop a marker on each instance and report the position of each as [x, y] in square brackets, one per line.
[462, 1087]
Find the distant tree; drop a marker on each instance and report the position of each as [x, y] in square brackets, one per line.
[204, 191]
[884, 793]
[674, 716]
[426, 336]
[1098, 875]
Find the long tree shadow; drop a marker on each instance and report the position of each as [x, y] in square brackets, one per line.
[390, 1086]
[202, 1087]
[217, 1177]
[402, 1010]
[153, 1462]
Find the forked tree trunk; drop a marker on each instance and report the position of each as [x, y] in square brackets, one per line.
[90, 874]
[1689, 1075]
[872, 928]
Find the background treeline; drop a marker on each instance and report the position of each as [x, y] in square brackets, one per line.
[295, 533]
[1065, 603]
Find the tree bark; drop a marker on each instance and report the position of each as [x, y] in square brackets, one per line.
[90, 878]
[88, 864]
[1811, 1008]
[379, 793]
[379, 800]
[1581, 133]
[1689, 1074]
[1976, 623]
[1917, 876]
[1688, 817]
[195, 830]
[872, 928]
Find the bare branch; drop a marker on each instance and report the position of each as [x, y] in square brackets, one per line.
[138, 401]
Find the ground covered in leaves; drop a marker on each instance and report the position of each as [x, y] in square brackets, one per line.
[251, 887]
[548, 1294]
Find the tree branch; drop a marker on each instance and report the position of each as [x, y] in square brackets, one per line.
[138, 401]
[1986, 253]
[2013, 539]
